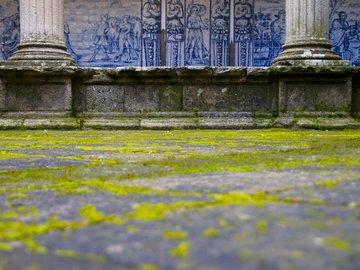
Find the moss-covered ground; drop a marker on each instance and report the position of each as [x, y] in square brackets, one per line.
[196, 199]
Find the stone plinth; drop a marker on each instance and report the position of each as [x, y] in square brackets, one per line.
[356, 95]
[35, 91]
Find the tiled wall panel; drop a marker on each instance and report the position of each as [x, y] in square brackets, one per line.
[345, 29]
[118, 33]
[9, 27]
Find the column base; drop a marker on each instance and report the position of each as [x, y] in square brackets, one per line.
[41, 54]
[309, 53]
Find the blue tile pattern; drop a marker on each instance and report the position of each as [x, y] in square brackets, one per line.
[9, 28]
[243, 36]
[117, 33]
[269, 31]
[197, 37]
[220, 33]
[151, 32]
[175, 33]
[345, 29]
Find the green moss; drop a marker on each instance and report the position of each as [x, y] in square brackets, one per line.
[211, 232]
[18, 196]
[73, 254]
[148, 267]
[181, 251]
[5, 155]
[92, 216]
[175, 235]
[335, 244]
[5, 246]
[262, 227]
[133, 229]
[33, 267]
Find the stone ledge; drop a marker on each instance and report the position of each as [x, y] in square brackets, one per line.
[170, 75]
[40, 123]
[103, 123]
[241, 122]
[169, 123]
[326, 123]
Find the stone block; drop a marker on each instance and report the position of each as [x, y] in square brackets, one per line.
[10, 123]
[2, 96]
[104, 98]
[64, 123]
[38, 97]
[103, 123]
[230, 97]
[328, 123]
[355, 106]
[312, 95]
[171, 97]
[227, 123]
[169, 123]
[141, 98]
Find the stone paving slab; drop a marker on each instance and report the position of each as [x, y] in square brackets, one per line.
[147, 200]
[248, 182]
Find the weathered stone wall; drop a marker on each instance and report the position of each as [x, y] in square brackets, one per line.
[356, 95]
[187, 97]
[181, 90]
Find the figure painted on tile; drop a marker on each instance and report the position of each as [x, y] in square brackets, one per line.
[278, 32]
[10, 37]
[136, 26]
[112, 34]
[244, 13]
[354, 43]
[196, 51]
[126, 44]
[152, 32]
[68, 43]
[339, 35]
[175, 33]
[101, 39]
[175, 17]
[220, 32]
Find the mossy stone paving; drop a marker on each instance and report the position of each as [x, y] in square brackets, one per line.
[192, 199]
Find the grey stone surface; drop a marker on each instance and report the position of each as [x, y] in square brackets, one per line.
[169, 123]
[104, 98]
[192, 199]
[224, 97]
[231, 123]
[141, 98]
[265, 181]
[356, 95]
[101, 123]
[42, 97]
[31, 91]
[171, 98]
[67, 123]
[311, 95]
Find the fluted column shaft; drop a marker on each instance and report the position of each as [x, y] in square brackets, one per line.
[42, 31]
[307, 34]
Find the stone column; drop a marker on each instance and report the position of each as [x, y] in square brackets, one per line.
[307, 35]
[42, 33]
